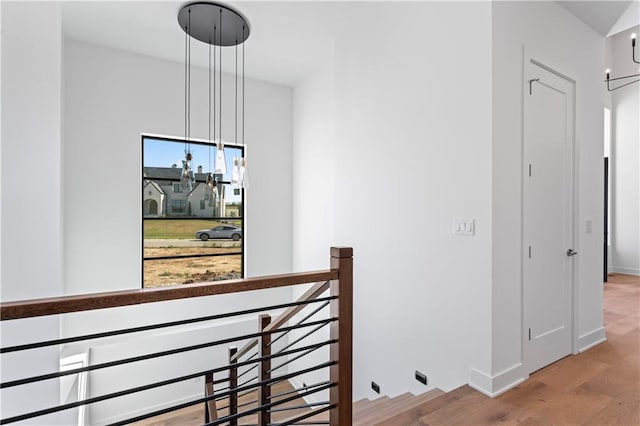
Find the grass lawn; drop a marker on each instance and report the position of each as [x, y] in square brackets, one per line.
[170, 229]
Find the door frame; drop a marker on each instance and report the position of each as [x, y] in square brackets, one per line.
[605, 260]
[532, 58]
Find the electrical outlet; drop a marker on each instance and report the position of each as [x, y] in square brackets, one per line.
[422, 378]
[375, 387]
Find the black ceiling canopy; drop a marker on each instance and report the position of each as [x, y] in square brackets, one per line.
[199, 20]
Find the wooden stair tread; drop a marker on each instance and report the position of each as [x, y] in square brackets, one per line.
[368, 404]
[359, 405]
[407, 404]
[413, 414]
[470, 404]
[386, 408]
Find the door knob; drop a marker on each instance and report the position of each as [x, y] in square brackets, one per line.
[570, 252]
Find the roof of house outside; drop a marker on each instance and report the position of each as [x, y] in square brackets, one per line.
[169, 173]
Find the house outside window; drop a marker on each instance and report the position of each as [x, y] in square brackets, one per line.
[183, 242]
[178, 206]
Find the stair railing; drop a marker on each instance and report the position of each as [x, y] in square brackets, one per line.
[266, 360]
[262, 347]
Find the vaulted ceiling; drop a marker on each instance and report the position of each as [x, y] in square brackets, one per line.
[602, 16]
[288, 39]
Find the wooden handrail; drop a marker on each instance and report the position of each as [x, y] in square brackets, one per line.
[342, 308]
[338, 280]
[312, 293]
[61, 305]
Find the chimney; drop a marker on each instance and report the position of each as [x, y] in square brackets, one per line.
[200, 170]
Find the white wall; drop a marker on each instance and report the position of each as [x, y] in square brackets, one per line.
[560, 41]
[411, 154]
[104, 99]
[313, 198]
[313, 170]
[31, 146]
[111, 97]
[625, 165]
[31, 219]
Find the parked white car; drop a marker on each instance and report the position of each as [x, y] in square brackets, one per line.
[221, 231]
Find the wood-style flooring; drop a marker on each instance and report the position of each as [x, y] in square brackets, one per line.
[598, 387]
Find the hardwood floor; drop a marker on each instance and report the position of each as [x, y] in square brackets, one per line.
[599, 387]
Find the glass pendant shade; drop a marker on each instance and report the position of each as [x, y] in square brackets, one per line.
[221, 161]
[186, 176]
[210, 190]
[244, 177]
[235, 175]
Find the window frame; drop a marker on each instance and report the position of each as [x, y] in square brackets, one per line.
[241, 218]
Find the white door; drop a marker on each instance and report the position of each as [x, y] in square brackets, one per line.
[547, 216]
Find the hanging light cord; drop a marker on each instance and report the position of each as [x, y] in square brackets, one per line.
[209, 115]
[186, 35]
[235, 109]
[214, 84]
[189, 87]
[243, 43]
[220, 76]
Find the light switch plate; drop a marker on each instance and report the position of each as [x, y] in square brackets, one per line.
[464, 227]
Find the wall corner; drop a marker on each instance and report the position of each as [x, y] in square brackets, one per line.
[495, 385]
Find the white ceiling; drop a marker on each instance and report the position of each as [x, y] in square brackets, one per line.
[288, 39]
[599, 15]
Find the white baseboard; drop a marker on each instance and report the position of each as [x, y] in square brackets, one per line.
[124, 416]
[498, 384]
[624, 270]
[591, 339]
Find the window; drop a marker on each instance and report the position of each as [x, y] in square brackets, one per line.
[178, 206]
[190, 235]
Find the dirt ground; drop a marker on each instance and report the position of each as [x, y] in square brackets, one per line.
[159, 273]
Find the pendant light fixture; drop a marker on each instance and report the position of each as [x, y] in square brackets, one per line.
[186, 176]
[243, 180]
[219, 26]
[221, 160]
[239, 174]
[625, 78]
[211, 185]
